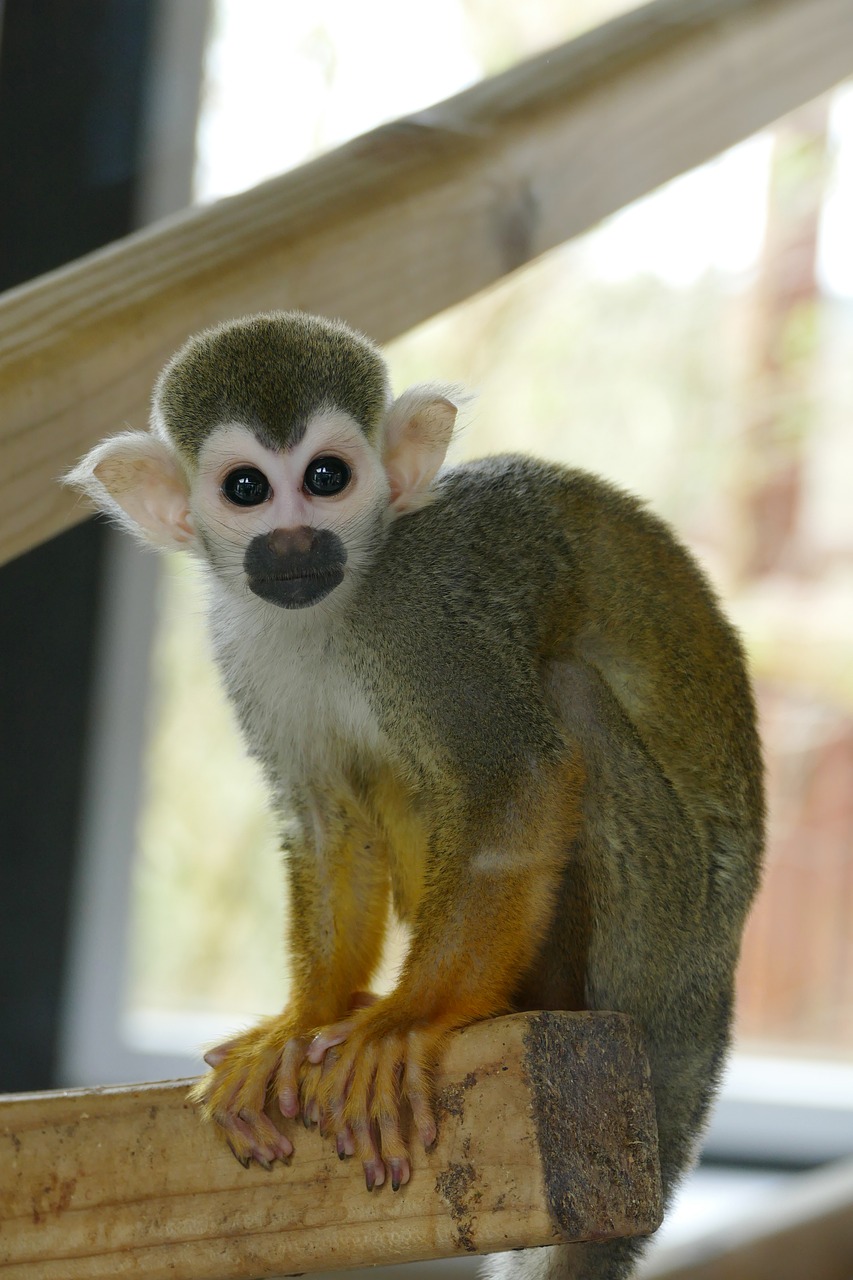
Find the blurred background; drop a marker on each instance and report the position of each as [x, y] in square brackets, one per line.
[695, 348]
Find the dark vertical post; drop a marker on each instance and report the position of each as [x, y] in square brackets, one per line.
[72, 90]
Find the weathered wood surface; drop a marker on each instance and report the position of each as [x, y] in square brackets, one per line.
[546, 1133]
[803, 1232]
[401, 223]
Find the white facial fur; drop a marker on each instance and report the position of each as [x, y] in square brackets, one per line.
[296, 692]
[227, 529]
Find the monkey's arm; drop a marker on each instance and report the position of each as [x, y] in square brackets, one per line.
[489, 894]
[338, 889]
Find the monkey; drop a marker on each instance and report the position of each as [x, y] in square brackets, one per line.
[499, 698]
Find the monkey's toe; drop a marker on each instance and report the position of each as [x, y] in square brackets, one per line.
[251, 1136]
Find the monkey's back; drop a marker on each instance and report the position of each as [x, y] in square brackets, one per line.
[609, 585]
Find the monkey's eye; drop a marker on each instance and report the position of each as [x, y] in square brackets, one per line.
[246, 487]
[326, 476]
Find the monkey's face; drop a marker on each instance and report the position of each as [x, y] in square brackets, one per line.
[272, 457]
[289, 524]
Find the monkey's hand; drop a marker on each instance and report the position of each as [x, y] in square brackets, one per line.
[247, 1073]
[259, 1067]
[360, 1076]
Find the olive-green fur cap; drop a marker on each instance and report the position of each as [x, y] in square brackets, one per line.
[271, 372]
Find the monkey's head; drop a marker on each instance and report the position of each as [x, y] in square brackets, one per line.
[276, 454]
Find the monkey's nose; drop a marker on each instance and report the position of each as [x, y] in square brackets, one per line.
[289, 542]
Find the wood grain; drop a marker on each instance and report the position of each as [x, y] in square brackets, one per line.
[546, 1133]
[400, 223]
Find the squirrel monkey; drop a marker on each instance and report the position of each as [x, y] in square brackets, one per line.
[500, 697]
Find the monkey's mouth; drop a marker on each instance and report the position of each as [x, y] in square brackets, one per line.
[296, 591]
[294, 568]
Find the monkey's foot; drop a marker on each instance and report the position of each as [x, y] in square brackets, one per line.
[247, 1071]
[367, 1070]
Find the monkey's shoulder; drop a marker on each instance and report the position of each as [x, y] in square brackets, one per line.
[533, 487]
[504, 539]
[526, 511]
[526, 537]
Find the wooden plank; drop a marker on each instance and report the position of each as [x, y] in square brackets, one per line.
[401, 223]
[546, 1133]
[804, 1231]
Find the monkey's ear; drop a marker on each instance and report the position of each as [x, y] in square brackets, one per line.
[137, 478]
[417, 432]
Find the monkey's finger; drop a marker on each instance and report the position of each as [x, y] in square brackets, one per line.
[331, 1089]
[393, 1148]
[332, 1092]
[267, 1137]
[245, 1143]
[335, 1123]
[328, 1038]
[287, 1076]
[417, 1088]
[345, 1142]
[354, 1094]
[385, 1111]
[399, 1169]
[336, 1077]
[367, 1150]
[219, 1052]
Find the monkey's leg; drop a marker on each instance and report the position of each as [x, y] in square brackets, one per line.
[659, 945]
[338, 883]
[490, 882]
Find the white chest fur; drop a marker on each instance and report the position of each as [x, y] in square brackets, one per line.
[301, 706]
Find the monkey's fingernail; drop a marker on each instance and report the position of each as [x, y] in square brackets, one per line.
[263, 1162]
[245, 1161]
[339, 1147]
[370, 1176]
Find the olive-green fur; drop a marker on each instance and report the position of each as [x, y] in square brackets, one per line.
[271, 373]
[517, 564]
[529, 602]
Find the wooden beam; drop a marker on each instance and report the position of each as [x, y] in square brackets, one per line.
[803, 1230]
[546, 1133]
[401, 223]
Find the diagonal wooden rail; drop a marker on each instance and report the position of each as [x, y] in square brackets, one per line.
[401, 223]
[546, 1133]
